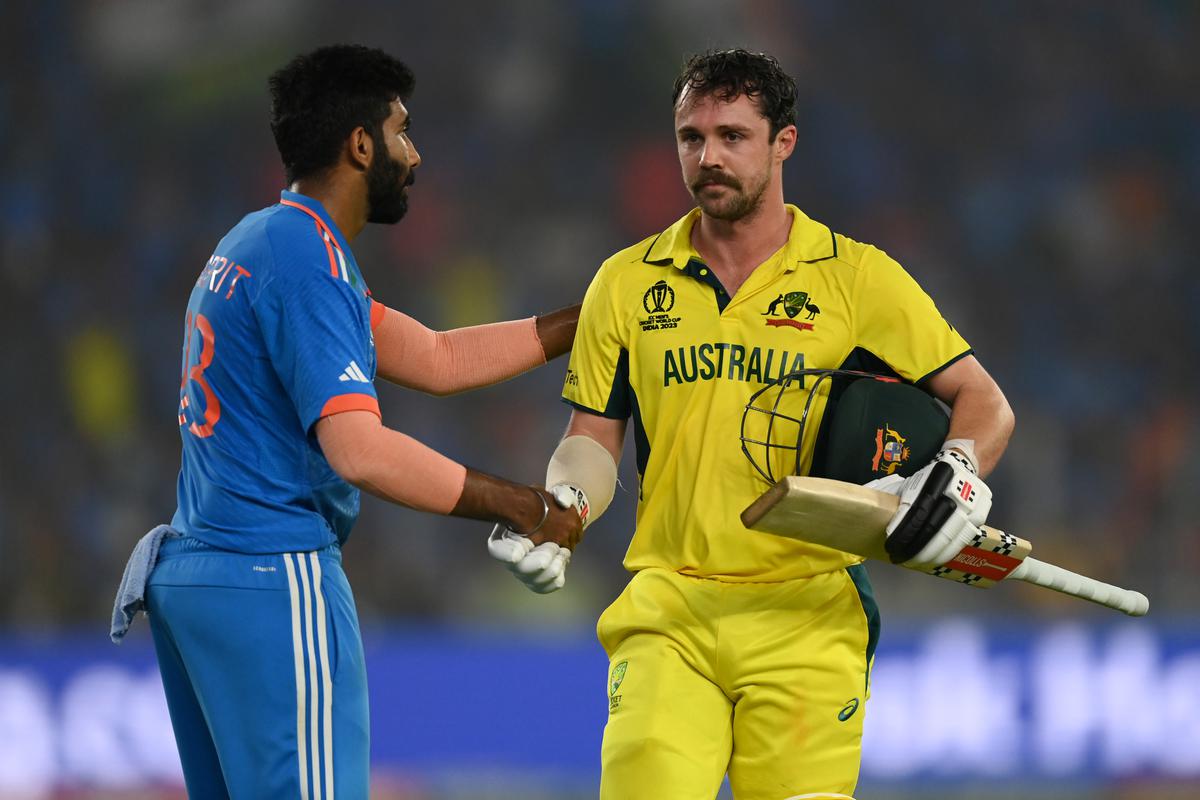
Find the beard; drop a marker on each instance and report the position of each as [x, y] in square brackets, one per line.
[737, 204]
[387, 179]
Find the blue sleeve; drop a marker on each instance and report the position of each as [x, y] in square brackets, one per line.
[316, 329]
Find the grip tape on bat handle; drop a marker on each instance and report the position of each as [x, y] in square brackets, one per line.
[1062, 580]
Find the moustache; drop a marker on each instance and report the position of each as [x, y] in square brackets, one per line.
[719, 178]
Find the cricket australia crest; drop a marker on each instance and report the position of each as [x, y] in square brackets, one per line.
[890, 450]
[614, 683]
[793, 304]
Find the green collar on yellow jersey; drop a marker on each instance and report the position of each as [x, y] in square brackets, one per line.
[807, 241]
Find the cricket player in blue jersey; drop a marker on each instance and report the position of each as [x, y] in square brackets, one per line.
[253, 620]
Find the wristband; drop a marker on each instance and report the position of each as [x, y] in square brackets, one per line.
[545, 513]
[967, 448]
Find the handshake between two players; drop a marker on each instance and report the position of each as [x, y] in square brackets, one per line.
[582, 474]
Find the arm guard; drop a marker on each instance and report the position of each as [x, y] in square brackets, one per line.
[585, 467]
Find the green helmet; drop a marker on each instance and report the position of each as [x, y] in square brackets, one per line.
[872, 426]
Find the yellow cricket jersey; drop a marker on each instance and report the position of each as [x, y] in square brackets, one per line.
[660, 341]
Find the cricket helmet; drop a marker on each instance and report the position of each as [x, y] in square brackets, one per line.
[870, 426]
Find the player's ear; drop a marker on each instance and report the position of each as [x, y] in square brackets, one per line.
[785, 142]
[360, 147]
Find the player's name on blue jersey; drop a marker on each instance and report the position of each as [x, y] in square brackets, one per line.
[217, 270]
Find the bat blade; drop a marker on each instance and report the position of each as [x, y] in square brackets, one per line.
[853, 519]
[843, 516]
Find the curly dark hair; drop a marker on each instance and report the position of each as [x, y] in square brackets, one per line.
[320, 97]
[729, 74]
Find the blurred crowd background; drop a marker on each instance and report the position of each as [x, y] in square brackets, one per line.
[1036, 166]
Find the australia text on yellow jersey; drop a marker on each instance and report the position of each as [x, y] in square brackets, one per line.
[661, 343]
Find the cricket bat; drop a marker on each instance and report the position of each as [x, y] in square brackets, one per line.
[853, 519]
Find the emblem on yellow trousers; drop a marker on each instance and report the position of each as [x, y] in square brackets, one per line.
[614, 683]
[848, 710]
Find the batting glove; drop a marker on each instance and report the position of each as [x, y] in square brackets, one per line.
[892, 484]
[939, 505]
[542, 568]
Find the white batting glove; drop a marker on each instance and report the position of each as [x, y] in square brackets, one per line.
[935, 504]
[892, 484]
[569, 496]
[507, 546]
[542, 568]
[946, 543]
[968, 491]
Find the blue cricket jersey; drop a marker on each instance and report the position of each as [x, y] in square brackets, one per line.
[277, 335]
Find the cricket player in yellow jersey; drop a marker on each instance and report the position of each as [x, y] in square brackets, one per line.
[732, 650]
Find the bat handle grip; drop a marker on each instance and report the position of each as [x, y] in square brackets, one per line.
[1062, 580]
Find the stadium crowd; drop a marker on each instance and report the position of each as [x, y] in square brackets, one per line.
[1037, 168]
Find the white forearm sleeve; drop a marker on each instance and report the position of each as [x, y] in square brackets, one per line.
[584, 463]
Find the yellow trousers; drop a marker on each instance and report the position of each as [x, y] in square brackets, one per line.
[765, 681]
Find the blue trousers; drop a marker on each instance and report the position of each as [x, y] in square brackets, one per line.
[262, 663]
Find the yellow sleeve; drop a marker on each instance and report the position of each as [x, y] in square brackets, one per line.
[598, 374]
[898, 322]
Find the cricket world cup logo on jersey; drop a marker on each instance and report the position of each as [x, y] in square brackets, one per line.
[890, 450]
[658, 300]
[793, 305]
[614, 683]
